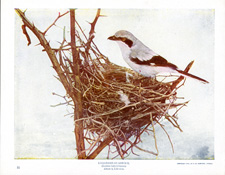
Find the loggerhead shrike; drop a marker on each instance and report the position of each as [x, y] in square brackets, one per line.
[144, 60]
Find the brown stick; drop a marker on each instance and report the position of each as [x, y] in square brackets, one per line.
[78, 110]
[92, 31]
[59, 16]
[175, 83]
[105, 143]
[26, 34]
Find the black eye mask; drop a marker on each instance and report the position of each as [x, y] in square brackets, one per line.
[127, 41]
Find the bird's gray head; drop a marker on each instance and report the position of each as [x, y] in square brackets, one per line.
[124, 36]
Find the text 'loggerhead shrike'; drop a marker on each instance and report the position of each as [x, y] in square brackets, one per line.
[144, 60]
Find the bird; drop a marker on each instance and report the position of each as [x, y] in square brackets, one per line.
[144, 60]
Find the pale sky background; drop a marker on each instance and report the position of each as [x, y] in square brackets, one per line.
[180, 36]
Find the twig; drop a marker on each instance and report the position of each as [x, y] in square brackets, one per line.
[92, 31]
[166, 134]
[154, 134]
[78, 111]
[59, 16]
[102, 145]
[151, 152]
[26, 34]
[175, 83]
[94, 144]
[136, 139]
[68, 103]
[175, 125]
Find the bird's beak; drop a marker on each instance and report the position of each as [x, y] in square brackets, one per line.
[112, 38]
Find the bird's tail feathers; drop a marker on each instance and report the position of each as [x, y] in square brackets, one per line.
[192, 76]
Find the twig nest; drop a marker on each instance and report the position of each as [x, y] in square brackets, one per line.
[119, 102]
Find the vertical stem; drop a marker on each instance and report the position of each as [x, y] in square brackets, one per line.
[156, 147]
[78, 111]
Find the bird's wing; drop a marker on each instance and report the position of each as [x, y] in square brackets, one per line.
[142, 53]
[146, 56]
[155, 61]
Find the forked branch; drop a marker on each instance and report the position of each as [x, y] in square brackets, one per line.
[59, 16]
[47, 48]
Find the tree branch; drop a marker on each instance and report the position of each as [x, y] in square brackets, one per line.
[92, 31]
[105, 143]
[26, 34]
[47, 48]
[175, 83]
[59, 16]
[78, 110]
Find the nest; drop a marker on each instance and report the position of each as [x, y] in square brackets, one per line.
[119, 103]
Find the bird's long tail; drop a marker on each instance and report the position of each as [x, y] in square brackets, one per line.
[192, 76]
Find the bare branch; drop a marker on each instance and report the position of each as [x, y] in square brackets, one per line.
[59, 16]
[78, 111]
[102, 145]
[92, 31]
[156, 147]
[47, 48]
[175, 83]
[26, 34]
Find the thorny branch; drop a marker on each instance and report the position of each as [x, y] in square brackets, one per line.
[60, 72]
[92, 31]
[59, 16]
[47, 48]
[78, 110]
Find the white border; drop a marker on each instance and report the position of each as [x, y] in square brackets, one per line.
[9, 165]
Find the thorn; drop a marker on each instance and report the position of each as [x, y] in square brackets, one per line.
[24, 11]
[103, 16]
[37, 44]
[43, 33]
[33, 26]
[89, 22]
